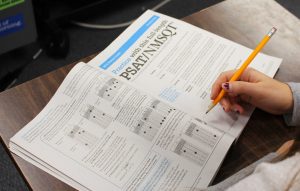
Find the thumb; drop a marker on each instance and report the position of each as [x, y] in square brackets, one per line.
[240, 87]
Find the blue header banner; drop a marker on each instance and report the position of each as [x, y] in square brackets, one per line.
[11, 24]
[129, 43]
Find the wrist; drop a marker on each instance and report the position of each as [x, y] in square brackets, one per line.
[289, 99]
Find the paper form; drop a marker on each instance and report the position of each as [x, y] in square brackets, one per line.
[133, 118]
[178, 63]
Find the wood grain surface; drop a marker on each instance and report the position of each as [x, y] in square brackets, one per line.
[243, 21]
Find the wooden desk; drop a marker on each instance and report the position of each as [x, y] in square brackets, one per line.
[243, 21]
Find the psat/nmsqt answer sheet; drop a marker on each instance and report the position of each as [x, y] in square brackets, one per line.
[134, 118]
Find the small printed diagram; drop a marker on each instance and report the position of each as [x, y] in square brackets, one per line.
[152, 120]
[191, 152]
[161, 108]
[82, 137]
[96, 116]
[202, 134]
[110, 89]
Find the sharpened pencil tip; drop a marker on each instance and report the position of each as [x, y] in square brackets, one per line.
[208, 111]
[212, 105]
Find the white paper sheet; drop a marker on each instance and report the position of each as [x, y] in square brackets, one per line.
[133, 118]
[177, 63]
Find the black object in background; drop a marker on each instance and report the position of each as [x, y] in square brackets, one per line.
[11, 77]
[10, 178]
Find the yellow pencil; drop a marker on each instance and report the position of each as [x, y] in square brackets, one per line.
[239, 72]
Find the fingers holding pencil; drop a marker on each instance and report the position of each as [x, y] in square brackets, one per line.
[235, 91]
[217, 86]
[253, 88]
[237, 74]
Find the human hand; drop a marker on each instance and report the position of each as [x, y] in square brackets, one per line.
[254, 88]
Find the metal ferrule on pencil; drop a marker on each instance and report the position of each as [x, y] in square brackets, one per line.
[272, 31]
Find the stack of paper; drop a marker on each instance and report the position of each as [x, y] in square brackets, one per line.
[134, 118]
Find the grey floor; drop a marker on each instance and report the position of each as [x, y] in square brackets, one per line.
[84, 42]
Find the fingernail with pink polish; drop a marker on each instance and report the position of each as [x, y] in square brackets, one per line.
[226, 86]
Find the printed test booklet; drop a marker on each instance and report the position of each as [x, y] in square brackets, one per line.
[133, 118]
